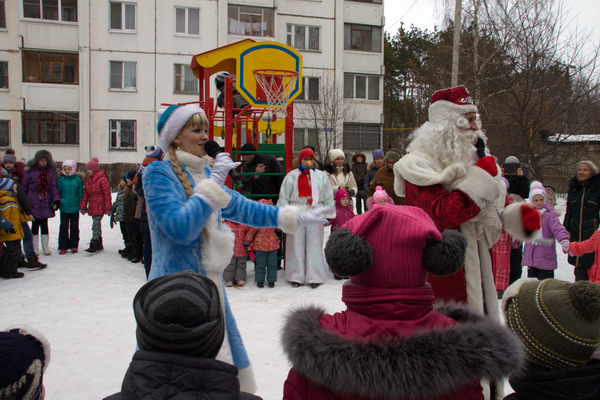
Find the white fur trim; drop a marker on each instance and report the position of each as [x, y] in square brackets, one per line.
[287, 219]
[442, 109]
[209, 189]
[247, 380]
[25, 329]
[513, 222]
[314, 187]
[176, 121]
[217, 247]
[513, 290]
[480, 186]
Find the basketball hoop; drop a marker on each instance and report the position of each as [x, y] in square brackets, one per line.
[277, 85]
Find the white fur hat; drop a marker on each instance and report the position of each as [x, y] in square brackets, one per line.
[171, 120]
[335, 153]
[456, 100]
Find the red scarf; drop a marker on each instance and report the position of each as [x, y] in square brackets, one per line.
[42, 185]
[304, 189]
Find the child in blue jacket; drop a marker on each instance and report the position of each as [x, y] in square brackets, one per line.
[70, 189]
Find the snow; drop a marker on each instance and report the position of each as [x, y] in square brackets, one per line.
[83, 305]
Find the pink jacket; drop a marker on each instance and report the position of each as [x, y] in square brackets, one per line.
[96, 198]
[592, 245]
[239, 231]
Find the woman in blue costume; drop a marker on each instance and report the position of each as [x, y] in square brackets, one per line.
[186, 200]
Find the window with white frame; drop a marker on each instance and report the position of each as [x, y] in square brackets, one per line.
[51, 10]
[303, 37]
[362, 37]
[4, 133]
[310, 89]
[250, 21]
[305, 136]
[365, 87]
[53, 127]
[2, 15]
[50, 67]
[122, 133]
[187, 21]
[3, 74]
[122, 75]
[184, 80]
[122, 16]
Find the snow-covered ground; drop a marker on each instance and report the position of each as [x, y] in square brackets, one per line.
[83, 305]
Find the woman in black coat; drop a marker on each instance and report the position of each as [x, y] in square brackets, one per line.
[582, 213]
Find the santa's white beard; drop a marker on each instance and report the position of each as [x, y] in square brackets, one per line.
[446, 141]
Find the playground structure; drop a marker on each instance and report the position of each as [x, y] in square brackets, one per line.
[270, 110]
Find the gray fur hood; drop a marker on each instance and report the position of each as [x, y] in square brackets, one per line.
[425, 364]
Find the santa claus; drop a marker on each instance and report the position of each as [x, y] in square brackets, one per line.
[449, 173]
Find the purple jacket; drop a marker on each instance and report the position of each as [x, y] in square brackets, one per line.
[41, 205]
[543, 256]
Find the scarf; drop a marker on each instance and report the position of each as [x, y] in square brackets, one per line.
[304, 182]
[42, 185]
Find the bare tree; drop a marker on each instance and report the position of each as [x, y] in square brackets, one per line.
[326, 114]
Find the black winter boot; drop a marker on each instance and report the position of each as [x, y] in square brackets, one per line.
[33, 263]
[99, 245]
[93, 246]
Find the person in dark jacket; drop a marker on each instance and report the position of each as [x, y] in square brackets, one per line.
[359, 170]
[267, 185]
[180, 329]
[558, 323]
[373, 167]
[130, 200]
[582, 213]
[385, 178]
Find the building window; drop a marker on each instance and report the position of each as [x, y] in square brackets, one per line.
[50, 67]
[184, 80]
[4, 133]
[361, 87]
[2, 15]
[303, 137]
[303, 37]
[310, 89]
[362, 136]
[187, 21]
[3, 74]
[362, 37]
[51, 10]
[122, 16]
[122, 134]
[250, 21]
[52, 127]
[122, 75]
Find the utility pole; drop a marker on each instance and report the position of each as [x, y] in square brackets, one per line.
[456, 45]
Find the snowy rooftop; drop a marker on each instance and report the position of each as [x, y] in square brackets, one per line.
[563, 138]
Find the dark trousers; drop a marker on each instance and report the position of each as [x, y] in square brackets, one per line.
[9, 261]
[265, 261]
[145, 229]
[68, 233]
[135, 238]
[361, 202]
[516, 256]
[123, 226]
[540, 274]
[581, 274]
[40, 224]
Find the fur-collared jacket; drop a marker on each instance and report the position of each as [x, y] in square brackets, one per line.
[393, 344]
[359, 169]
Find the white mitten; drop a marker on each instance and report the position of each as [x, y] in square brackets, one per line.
[314, 216]
[223, 164]
[565, 245]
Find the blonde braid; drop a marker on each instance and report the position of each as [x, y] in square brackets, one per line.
[187, 186]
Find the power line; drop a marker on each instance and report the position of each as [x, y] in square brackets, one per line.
[399, 19]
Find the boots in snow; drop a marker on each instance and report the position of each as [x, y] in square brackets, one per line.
[36, 240]
[33, 263]
[45, 247]
[99, 244]
[93, 246]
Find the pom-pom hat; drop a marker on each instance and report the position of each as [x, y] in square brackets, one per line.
[445, 102]
[93, 164]
[153, 151]
[171, 120]
[72, 164]
[536, 188]
[9, 156]
[379, 194]
[394, 247]
[557, 321]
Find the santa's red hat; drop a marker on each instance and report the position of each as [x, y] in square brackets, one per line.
[446, 102]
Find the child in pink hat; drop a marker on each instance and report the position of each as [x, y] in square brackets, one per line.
[379, 198]
[343, 209]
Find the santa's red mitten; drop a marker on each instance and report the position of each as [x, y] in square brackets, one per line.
[532, 221]
[488, 164]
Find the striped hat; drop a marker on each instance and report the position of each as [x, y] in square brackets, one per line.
[179, 313]
[6, 184]
[557, 321]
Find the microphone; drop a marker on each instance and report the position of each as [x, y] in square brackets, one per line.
[212, 148]
[480, 146]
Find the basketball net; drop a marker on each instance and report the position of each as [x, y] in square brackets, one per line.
[277, 85]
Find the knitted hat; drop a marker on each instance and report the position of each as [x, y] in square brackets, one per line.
[179, 313]
[24, 356]
[9, 156]
[153, 151]
[379, 194]
[394, 247]
[392, 156]
[557, 321]
[6, 184]
[248, 147]
[72, 164]
[171, 120]
[511, 160]
[305, 153]
[340, 194]
[590, 165]
[445, 102]
[378, 153]
[536, 188]
[131, 174]
[124, 177]
[266, 201]
[93, 164]
[335, 153]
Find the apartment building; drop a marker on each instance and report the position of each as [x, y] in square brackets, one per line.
[83, 78]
